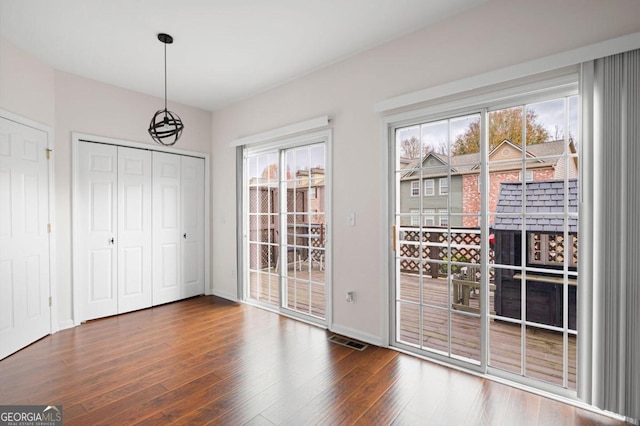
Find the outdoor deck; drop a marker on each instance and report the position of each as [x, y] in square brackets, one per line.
[544, 349]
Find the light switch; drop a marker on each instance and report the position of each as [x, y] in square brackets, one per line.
[351, 219]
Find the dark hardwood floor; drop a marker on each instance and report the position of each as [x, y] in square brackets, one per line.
[206, 360]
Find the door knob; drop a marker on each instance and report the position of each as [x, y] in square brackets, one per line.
[185, 235]
[112, 240]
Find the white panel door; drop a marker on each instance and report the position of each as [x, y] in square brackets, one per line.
[167, 244]
[97, 230]
[24, 239]
[134, 229]
[192, 226]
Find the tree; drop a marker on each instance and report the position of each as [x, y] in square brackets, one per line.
[410, 148]
[503, 124]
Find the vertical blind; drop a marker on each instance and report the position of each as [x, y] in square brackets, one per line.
[609, 265]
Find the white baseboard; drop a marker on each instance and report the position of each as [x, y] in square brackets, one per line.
[63, 325]
[358, 335]
[224, 295]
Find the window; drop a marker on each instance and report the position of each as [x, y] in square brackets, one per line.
[313, 193]
[415, 188]
[415, 217]
[429, 187]
[443, 217]
[529, 176]
[429, 217]
[444, 186]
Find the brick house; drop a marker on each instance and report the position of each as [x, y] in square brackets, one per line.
[544, 161]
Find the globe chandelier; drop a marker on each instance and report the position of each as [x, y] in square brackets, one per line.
[166, 127]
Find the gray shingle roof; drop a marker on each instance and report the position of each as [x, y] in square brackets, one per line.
[541, 197]
[468, 163]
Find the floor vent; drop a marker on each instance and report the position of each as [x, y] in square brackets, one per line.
[344, 341]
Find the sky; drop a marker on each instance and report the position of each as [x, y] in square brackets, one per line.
[301, 158]
[550, 114]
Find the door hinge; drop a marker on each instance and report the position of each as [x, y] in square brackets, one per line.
[48, 153]
[49, 228]
[50, 300]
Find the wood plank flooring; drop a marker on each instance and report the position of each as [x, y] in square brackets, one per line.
[209, 361]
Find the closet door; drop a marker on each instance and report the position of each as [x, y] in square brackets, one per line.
[134, 229]
[97, 229]
[167, 244]
[192, 226]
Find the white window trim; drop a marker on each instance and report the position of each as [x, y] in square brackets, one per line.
[443, 213]
[530, 69]
[429, 215]
[415, 184]
[415, 217]
[432, 188]
[276, 135]
[440, 186]
[528, 173]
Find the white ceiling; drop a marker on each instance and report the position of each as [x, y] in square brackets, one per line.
[223, 50]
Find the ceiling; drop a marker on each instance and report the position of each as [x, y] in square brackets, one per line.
[223, 50]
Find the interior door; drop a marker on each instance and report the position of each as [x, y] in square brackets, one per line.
[24, 240]
[192, 226]
[167, 245]
[134, 229]
[97, 228]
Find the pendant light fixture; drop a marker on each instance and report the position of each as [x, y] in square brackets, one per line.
[165, 127]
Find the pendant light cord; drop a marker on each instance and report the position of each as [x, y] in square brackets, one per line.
[165, 77]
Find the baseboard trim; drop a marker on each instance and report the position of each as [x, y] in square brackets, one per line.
[357, 335]
[224, 295]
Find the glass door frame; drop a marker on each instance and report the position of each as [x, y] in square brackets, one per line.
[555, 87]
[279, 147]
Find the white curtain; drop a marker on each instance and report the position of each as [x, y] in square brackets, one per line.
[609, 262]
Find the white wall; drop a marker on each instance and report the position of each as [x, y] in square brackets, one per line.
[69, 103]
[494, 35]
[26, 85]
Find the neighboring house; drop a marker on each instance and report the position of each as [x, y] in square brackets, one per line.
[305, 206]
[433, 188]
[544, 161]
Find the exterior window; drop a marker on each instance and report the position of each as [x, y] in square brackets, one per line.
[429, 187]
[415, 188]
[529, 176]
[443, 217]
[429, 217]
[444, 186]
[313, 193]
[551, 249]
[415, 217]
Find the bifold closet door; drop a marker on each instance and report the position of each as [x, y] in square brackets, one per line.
[114, 230]
[167, 244]
[97, 229]
[192, 226]
[134, 229]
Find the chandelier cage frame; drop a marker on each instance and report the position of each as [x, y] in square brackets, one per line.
[166, 126]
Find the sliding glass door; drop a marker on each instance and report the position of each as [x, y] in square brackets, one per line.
[485, 240]
[286, 229]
